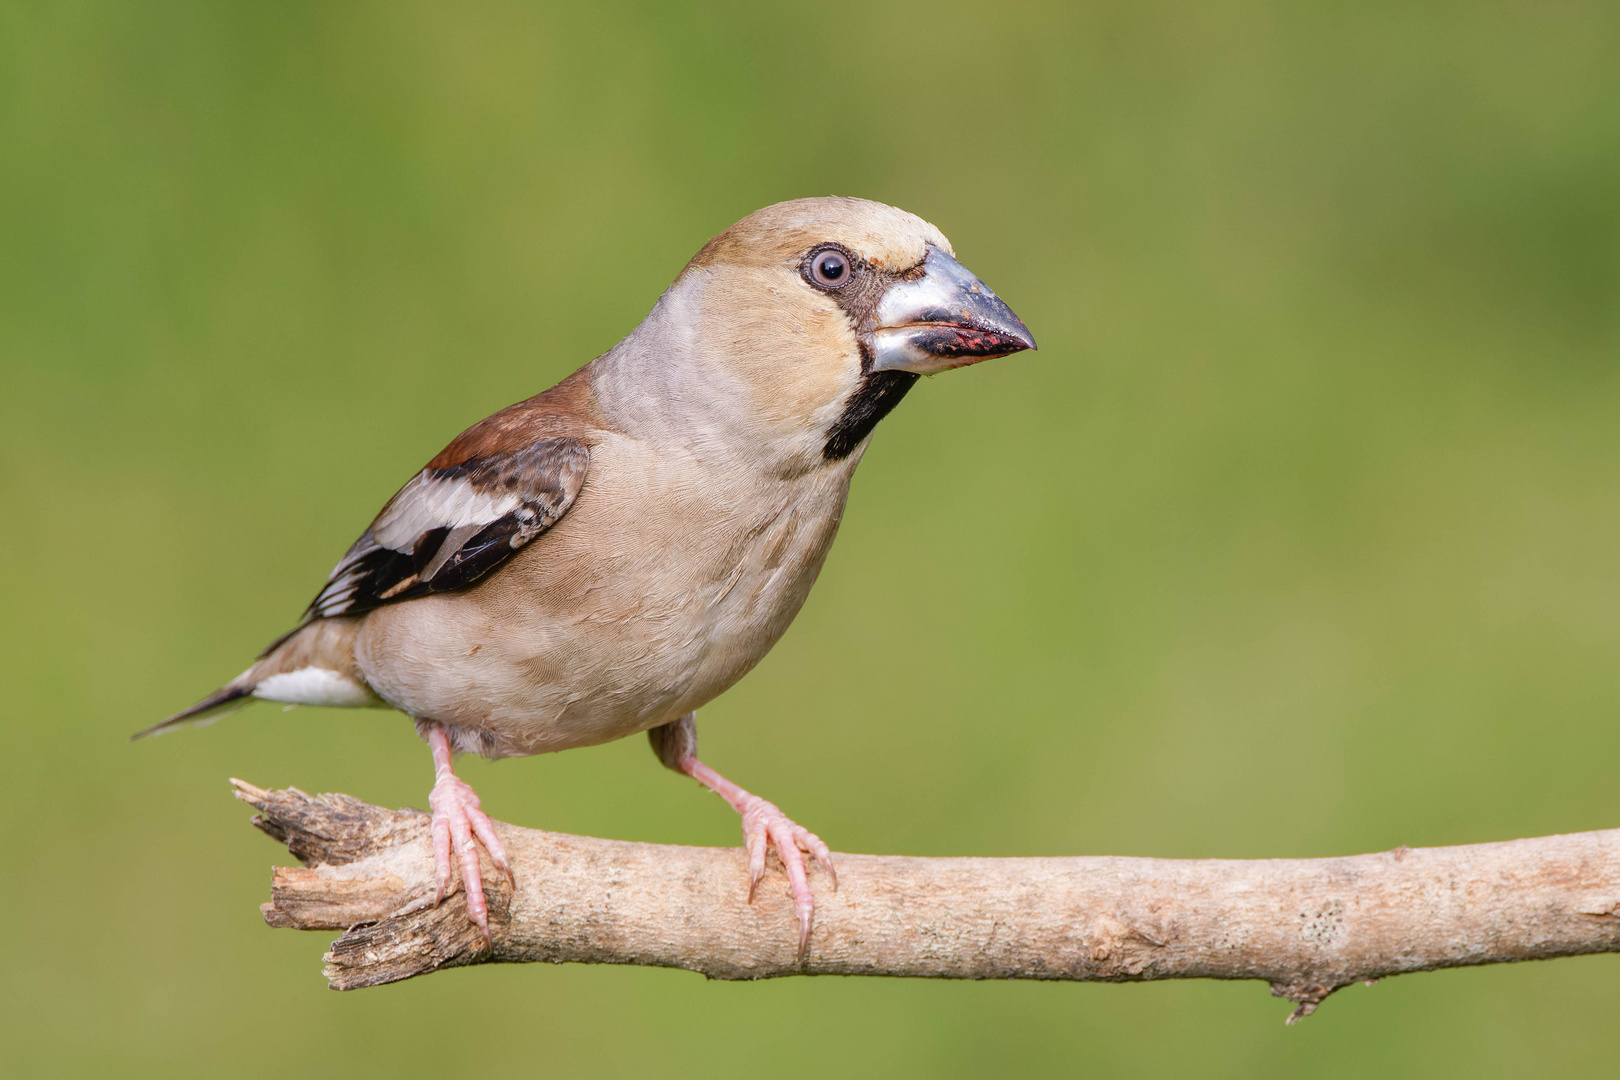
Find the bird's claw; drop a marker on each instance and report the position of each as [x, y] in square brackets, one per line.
[457, 820]
[764, 826]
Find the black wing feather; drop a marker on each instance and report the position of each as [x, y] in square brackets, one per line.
[450, 527]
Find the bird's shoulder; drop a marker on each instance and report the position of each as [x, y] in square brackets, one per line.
[567, 410]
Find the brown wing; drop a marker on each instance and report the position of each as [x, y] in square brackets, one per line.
[450, 526]
[496, 487]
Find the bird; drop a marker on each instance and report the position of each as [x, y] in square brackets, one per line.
[607, 557]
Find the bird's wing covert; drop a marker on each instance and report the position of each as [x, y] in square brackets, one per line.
[450, 526]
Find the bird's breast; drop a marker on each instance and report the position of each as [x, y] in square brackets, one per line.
[667, 581]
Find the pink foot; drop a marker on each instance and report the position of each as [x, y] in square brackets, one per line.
[457, 818]
[764, 826]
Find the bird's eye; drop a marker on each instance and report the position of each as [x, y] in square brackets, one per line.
[828, 268]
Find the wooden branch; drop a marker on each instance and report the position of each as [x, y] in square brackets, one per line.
[1306, 926]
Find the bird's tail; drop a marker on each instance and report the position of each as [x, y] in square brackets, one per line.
[312, 665]
[222, 702]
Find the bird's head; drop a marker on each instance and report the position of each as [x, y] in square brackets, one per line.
[802, 325]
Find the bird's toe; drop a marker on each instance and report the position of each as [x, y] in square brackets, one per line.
[459, 824]
[765, 827]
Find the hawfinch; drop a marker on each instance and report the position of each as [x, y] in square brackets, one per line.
[609, 556]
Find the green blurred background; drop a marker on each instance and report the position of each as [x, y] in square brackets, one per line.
[1297, 537]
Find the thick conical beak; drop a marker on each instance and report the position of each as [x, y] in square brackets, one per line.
[944, 318]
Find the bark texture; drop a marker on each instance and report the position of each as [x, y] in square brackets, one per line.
[1306, 926]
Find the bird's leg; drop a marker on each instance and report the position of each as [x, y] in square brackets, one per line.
[763, 823]
[457, 818]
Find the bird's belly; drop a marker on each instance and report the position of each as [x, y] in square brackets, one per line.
[582, 644]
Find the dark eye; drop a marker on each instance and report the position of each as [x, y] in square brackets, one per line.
[828, 268]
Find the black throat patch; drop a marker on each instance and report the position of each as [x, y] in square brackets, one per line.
[879, 392]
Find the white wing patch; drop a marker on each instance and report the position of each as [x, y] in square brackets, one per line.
[429, 502]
